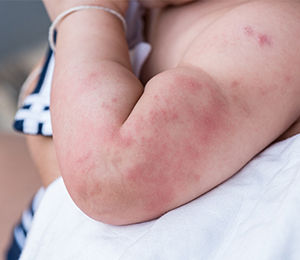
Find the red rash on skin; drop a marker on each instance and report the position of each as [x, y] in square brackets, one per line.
[189, 84]
[124, 141]
[163, 173]
[287, 79]
[249, 31]
[173, 160]
[235, 84]
[163, 115]
[156, 187]
[156, 97]
[263, 39]
[105, 106]
[83, 158]
[85, 166]
[208, 123]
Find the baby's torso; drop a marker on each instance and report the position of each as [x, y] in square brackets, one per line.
[171, 30]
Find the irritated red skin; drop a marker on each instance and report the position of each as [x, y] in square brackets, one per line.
[171, 160]
[262, 39]
[172, 141]
[158, 159]
[288, 79]
[249, 30]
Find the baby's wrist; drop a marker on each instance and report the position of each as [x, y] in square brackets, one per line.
[118, 5]
[56, 7]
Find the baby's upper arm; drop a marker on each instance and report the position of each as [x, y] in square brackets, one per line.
[233, 93]
[251, 53]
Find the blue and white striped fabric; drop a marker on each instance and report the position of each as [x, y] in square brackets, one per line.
[21, 230]
[34, 115]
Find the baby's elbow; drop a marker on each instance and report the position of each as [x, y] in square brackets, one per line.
[116, 199]
[98, 198]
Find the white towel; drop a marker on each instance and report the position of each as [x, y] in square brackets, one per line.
[254, 215]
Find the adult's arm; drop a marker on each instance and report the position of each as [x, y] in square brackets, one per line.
[41, 148]
[129, 155]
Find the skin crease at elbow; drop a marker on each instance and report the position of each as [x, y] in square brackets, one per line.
[164, 150]
[156, 185]
[155, 173]
[188, 133]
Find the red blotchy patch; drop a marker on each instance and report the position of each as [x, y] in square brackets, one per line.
[123, 140]
[106, 106]
[163, 116]
[264, 40]
[192, 152]
[156, 97]
[84, 163]
[153, 177]
[235, 83]
[126, 141]
[192, 85]
[248, 30]
[173, 158]
[287, 79]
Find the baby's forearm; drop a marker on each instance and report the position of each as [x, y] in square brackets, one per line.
[93, 93]
[93, 68]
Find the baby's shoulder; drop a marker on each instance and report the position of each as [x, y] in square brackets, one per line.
[256, 41]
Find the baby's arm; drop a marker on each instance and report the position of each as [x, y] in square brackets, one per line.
[128, 155]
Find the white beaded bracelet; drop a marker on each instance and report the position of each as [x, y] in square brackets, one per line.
[60, 17]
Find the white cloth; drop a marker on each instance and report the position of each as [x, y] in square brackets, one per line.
[253, 215]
